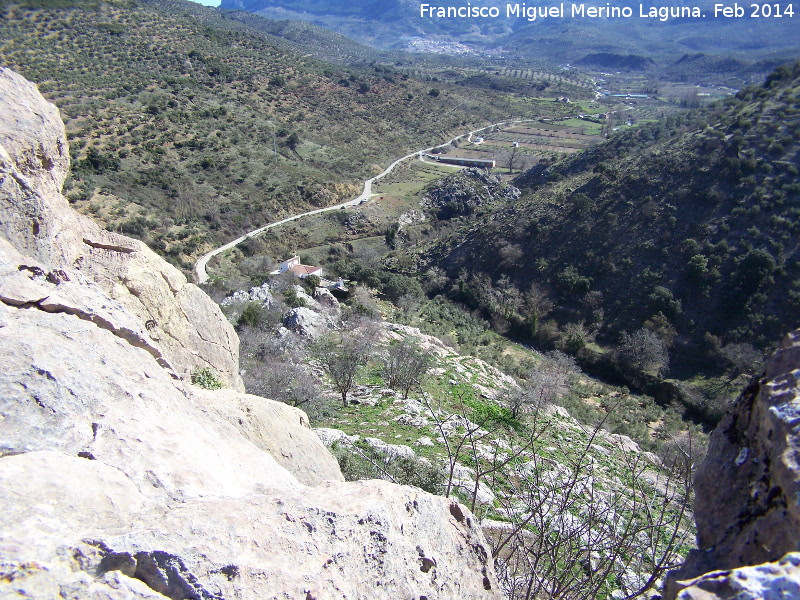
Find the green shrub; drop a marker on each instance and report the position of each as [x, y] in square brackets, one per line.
[661, 300]
[364, 462]
[292, 299]
[312, 282]
[572, 281]
[487, 412]
[756, 266]
[252, 315]
[206, 378]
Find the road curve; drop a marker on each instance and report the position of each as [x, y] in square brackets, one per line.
[200, 266]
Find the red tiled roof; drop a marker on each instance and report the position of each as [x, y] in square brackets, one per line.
[304, 270]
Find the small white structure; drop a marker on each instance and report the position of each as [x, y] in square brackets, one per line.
[333, 285]
[298, 270]
[288, 264]
[478, 140]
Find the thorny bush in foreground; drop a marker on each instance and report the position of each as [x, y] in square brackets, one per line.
[574, 529]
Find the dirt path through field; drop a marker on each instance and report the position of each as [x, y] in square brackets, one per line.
[366, 194]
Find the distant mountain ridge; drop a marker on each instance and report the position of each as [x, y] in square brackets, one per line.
[366, 8]
[390, 24]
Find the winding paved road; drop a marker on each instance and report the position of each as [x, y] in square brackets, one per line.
[200, 267]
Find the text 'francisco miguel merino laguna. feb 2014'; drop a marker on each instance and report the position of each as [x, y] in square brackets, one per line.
[607, 11]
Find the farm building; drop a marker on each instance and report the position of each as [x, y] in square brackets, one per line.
[481, 163]
[293, 266]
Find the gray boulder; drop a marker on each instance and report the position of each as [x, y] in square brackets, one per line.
[260, 294]
[771, 581]
[306, 322]
[326, 298]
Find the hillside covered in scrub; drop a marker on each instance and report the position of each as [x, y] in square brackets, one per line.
[186, 127]
[688, 228]
[394, 403]
[134, 465]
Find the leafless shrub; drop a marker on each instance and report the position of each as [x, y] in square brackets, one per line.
[342, 354]
[644, 352]
[405, 363]
[573, 532]
[543, 385]
[463, 434]
[275, 368]
[363, 303]
[435, 281]
[741, 359]
[574, 535]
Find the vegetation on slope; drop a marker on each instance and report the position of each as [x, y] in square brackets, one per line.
[687, 228]
[187, 127]
[400, 405]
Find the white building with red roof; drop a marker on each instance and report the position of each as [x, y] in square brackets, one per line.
[293, 266]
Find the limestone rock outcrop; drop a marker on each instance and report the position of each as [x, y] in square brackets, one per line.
[261, 294]
[326, 298]
[119, 479]
[770, 581]
[82, 525]
[747, 489]
[34, 161]
[79, 378]
[304, 321]
[279, 429]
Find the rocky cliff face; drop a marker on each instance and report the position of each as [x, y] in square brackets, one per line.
[37, 220]
[747, 505]
[119, 479]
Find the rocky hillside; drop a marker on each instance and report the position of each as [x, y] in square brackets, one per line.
[688, 227]
[461, 433]
[397, 404]
[121, 479]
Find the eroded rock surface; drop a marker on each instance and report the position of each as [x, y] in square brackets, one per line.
[277, 428]
[38, 221]
[119, 479]
[747, 489]
[353, 540]
[81, 379]
[770, 581]
[305, 321]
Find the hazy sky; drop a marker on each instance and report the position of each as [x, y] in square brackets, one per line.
[208, 2]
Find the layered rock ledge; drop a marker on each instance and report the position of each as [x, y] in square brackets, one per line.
[37, 220]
